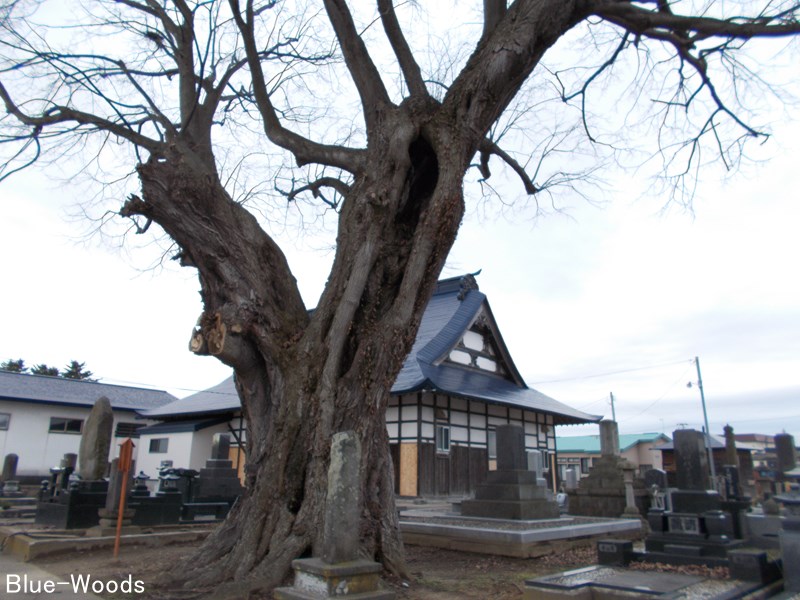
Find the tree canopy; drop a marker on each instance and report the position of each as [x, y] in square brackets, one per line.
[209, 118]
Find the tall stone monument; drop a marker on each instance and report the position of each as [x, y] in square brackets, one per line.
[339, 572]
[697, 525]
[511, 491]
[605, 493]
[96, 441]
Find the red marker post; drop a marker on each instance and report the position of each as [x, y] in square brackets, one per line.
[124, 467]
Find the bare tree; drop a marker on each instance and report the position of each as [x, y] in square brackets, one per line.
[164, 78]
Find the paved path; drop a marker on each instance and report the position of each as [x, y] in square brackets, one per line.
[14, 574]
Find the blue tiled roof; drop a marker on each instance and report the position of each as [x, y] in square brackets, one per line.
[72, 392]
[450, 312]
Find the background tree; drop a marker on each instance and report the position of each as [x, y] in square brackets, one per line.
[43, 369]
[14, 366]
[167, 84]
[76, 370]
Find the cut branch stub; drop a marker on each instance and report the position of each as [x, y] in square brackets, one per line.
[215, 336]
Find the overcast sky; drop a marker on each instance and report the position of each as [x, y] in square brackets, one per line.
[613, 299]
[618, 298]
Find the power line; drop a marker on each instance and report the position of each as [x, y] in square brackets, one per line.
[613, 372]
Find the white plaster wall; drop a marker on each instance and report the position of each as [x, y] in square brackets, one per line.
[29, 438]
[179, 451]
[201, 445]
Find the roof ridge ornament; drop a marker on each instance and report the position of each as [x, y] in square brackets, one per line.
[468, 283]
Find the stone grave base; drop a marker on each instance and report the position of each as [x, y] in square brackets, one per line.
[515, 538]
[607, 583]
[315, 580]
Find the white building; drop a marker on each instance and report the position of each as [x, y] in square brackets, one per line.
[41, 418]
[456, 386]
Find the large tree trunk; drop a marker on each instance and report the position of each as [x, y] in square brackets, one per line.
[303, 378]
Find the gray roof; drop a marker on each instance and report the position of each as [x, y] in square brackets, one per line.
[22, 387]
[222, 398]
[450, 312]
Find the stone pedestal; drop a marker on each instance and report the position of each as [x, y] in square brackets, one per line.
[108, 524]
[605, 492]
[339, 573]
[315, 579]
[511, 492]
[510, 495]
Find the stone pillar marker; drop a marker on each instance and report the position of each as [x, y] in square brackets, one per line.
[609, 438]
[9, 468]
[731, 457]
[96, 441]
[108, 515]
[339, 572]
[343, 505]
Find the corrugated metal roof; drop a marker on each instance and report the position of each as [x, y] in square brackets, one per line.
[449, 313]
[58, 390]
[590, 444]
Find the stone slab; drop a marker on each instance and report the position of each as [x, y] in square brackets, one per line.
[521, 543]
[27, 545]
[600, 582]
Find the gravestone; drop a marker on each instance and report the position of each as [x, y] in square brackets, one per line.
[110, 512]
[571, 479]
[604, 492]
[96, 441]
[697, 525]
[70, 504]
[511, 491]
[789, 536]
[339, 572]
[9, 468]
[217, 486]
[536, 464]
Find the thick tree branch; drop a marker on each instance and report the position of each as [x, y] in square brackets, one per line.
[646, 22]
[408, 64]
[315, 188]
[304, 150]
[63, 114]
[493, 12]
[487, 148]
[373, 94]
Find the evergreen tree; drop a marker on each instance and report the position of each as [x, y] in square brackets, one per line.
[75, 370]
[14, 366]
[43, 369]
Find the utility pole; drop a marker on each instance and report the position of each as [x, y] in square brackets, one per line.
[709, 450]
[613, 413]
